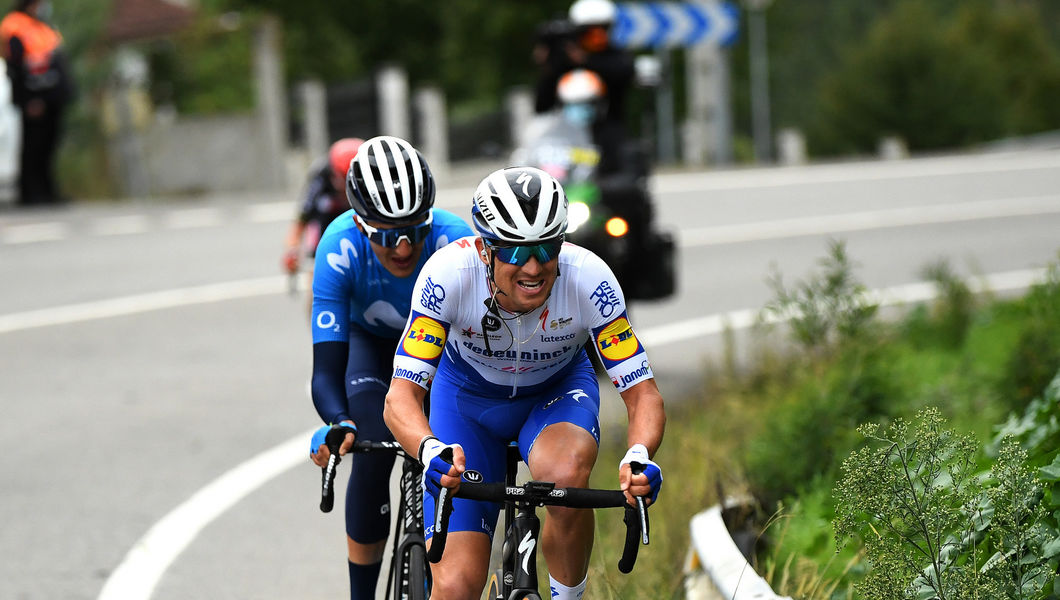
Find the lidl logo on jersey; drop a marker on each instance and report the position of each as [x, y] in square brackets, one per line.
[424, 339]
[617, 341]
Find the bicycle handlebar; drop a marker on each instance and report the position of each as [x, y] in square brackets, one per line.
[333, 440]
[540, 493]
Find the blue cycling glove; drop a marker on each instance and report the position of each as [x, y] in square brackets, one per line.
[434, 466]
[321, 434]
[639, 454]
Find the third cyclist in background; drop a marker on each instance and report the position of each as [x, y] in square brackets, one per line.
[323, 199]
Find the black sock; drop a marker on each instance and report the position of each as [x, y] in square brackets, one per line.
[362, 580]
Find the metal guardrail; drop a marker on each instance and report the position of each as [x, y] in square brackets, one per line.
[715, 569]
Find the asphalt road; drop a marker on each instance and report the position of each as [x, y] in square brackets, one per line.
[153, 365]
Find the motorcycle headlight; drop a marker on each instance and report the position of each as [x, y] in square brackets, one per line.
[577, 215]
[617, 227]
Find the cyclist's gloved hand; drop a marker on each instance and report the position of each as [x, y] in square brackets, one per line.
[434, 466]
[639, 454]
[321, 434]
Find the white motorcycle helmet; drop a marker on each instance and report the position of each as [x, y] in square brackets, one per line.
[584, 13]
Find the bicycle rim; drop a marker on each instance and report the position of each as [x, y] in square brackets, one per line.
[495, 589]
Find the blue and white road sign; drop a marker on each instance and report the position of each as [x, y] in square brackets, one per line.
[675, 24]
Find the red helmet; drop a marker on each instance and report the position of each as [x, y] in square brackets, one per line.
[340, 155]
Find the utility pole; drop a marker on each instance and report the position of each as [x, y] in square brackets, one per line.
[759, 52]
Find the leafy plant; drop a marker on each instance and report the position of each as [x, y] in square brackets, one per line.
[914, 498]
[904, 498]
[826, 309]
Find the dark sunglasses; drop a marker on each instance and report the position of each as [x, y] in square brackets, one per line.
[390, 238]
[518, 255]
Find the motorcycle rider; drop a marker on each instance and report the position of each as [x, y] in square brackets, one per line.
[589, 47]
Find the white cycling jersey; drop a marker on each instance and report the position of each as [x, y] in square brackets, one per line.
[526, 351]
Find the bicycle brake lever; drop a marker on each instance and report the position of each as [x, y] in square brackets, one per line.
[333, 440]
[642, 508]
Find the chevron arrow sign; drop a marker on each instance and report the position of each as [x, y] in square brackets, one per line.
[675, 24]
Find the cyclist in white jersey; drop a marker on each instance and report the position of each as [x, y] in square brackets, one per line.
[496, 331]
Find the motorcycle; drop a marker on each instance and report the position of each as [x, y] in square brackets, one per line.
[610, 214]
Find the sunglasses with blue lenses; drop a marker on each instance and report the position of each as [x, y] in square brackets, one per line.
[390, 238]
[519, 254]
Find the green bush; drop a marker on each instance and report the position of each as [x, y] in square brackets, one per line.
[1036, 356]
[941, 79]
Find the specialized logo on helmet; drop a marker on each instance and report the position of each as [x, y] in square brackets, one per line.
[617, 341]
[523, 181]
[424, 339]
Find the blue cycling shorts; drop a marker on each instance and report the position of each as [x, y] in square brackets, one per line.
[484, 420]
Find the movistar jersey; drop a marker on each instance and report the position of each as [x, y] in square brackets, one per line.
[526, 352]
[351, 286]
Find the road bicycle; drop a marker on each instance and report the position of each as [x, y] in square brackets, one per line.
[516, 579]
[409, 575]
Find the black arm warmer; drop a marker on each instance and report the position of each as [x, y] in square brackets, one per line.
[329, 376]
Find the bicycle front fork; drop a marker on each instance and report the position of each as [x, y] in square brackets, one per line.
[520, 552]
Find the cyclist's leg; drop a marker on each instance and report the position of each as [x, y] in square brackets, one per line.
[368, 490]
[462, 571]
[561, 439]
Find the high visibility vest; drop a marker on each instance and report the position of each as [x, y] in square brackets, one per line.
[38, 39]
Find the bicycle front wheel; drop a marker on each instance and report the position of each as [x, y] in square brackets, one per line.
[494, 592]
[415, 581]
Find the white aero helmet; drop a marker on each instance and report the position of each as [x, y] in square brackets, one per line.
[389, 181]
[592, 12]
[520, 205]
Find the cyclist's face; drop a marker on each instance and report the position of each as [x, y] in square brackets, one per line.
[400, 261]
[522, 288]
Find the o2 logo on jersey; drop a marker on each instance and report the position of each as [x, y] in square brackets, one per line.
[326, 320]
[424, 339]
[617, 341]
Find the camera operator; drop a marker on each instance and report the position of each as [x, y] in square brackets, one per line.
[583, 42]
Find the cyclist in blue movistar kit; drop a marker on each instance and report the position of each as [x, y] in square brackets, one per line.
[497, 329]
[366, 265]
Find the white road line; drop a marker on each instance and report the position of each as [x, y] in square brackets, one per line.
[875, 219]
[272, 212]
[138, 574]
[127, 305]
[773, 177]
[193, 217]
[147, 561]
[123, 225]
[34, 232]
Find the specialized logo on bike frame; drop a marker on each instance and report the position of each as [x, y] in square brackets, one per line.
[472, 476]
[424, 339]
[617, 341]
[432, 297]
[606, 299]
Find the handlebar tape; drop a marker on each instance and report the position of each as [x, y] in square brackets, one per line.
[443, 509]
